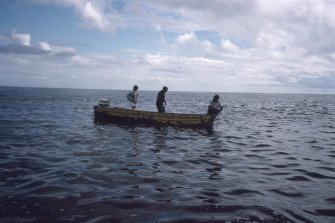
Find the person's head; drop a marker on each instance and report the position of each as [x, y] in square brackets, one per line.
[216, 97]
[165, 89]
[135, 88]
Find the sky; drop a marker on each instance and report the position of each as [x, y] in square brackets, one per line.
[277, 46]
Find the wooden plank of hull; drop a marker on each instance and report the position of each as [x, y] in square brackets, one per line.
[127, 116]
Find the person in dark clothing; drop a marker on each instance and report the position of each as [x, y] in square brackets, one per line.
[161, 100]
[214, 106]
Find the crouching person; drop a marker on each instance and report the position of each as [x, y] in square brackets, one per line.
[214, 106]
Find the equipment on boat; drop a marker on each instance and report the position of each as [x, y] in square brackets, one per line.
[104, 102]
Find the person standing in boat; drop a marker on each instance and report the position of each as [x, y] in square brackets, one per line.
[160, 102]
[214, 106]
[132, 97]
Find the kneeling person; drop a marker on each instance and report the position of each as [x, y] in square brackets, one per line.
[214, 106]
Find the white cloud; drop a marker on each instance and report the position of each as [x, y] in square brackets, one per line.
[56, 49]
[155, 59]
[92, 13]
[228, 46]
[45, 46]
[253, 43]
[21, 38]
[95, 14]
[80, 59]
[21, 44]
[187, 38]
[191, 40]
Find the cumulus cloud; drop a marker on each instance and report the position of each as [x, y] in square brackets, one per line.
[255, 23]
[253, 43]
[44, 46]
[228, 46]
[94, 14]
[191, 40]
[187, 38]
[21, 38]
[21, 44]
[91, 12]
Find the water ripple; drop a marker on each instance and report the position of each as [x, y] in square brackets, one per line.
[274, 163]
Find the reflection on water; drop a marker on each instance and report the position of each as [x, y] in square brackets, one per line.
[274, 164]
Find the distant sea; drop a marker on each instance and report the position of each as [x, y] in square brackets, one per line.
[269, 159]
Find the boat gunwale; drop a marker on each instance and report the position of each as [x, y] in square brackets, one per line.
[105, 115]
[166, 114]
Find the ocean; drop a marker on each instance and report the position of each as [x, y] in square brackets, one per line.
[270, 158]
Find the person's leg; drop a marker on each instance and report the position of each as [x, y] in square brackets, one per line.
[133, 105]
[160, 107]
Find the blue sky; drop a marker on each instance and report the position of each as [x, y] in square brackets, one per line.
[188, 45]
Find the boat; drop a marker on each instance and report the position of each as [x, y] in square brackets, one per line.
[104, 114]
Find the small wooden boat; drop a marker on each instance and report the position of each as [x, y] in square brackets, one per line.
[104, 114]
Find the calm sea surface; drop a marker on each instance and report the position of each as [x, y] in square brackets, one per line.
[274, 162]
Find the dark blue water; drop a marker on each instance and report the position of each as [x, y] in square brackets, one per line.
[274, 163]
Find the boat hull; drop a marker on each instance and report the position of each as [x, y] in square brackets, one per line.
[103, 115]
